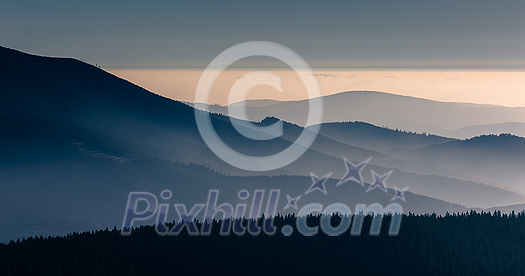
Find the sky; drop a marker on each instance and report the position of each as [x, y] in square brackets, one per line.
[410, 38]
[482, 87]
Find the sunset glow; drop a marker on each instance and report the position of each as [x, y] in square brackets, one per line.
[481, 87]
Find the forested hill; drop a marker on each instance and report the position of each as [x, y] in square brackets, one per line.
[459, 244]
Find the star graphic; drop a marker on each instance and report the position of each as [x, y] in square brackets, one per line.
[353, 171]
[399, 194]
[379, 181]
[292, 202]
[318, 183]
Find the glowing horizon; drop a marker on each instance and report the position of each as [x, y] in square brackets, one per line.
[478, 87]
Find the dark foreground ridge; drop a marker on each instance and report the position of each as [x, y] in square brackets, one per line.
[459, 244]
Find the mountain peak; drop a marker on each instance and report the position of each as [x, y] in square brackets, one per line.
[488, 137]
[269, 120]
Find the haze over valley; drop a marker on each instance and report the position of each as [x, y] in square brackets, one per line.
[77, 139]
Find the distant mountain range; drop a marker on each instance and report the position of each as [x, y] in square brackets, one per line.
[449, 119]
[75, 140]
[517, 128]
[499, 157]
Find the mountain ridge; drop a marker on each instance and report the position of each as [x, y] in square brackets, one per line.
[390, 110]
[86, 138]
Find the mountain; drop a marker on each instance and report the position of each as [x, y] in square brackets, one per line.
[500, 157]
[75, 140]
[93, 111]
[422, 177]
[371, 137]
[516, 128]
[392, 111]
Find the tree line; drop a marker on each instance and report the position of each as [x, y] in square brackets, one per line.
[470, 243]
